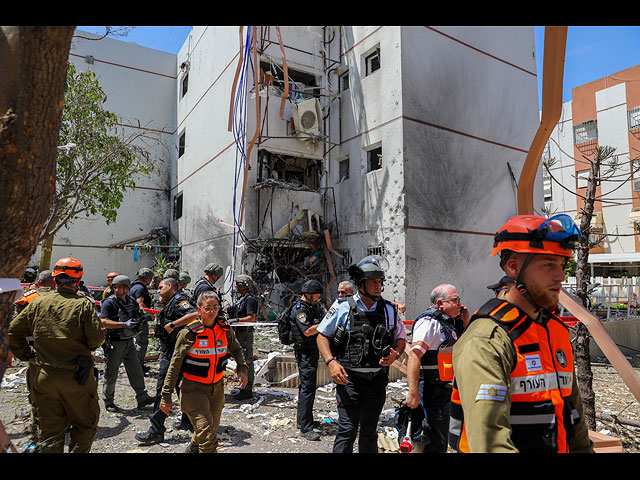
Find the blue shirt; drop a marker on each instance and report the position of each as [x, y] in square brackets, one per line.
[339, 314]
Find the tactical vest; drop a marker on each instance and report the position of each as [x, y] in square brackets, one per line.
[542, 416]
[148, 301]
[363, 344]
[206, 360]
[299, 339]
[167, 315]
[126, 311]
[437, 363]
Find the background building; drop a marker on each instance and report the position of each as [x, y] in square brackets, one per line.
[605, 112]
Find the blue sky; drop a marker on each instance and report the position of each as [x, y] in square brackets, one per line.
[592, 52]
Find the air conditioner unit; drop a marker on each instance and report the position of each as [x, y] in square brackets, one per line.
[306, 117]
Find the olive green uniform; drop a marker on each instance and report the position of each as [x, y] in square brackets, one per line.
[32, 370]
[65, 329]
[484, 354]
[203, 403]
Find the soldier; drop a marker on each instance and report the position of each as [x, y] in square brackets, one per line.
[65, 330]
[514, 386]
[176, 309]
[201, 354]
[244, 310]
[139, 291]
[121, 317]
[43, 286]
[183, 280]
[212, 273]
[305, 317]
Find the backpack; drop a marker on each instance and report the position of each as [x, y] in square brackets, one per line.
[285, 334]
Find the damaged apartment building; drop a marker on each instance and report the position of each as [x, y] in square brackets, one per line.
[300, 150]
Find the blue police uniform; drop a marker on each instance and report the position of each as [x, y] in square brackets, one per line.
[303, 316]
[361, 401]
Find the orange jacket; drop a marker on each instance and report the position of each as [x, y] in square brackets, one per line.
[205, 360]
[542, 415]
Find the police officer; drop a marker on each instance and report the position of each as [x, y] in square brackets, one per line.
[139, 291]
[212, 273]
[172, 273]
[121, 317]
[65, 330]
[43, 286]
[202, 350]
[109, 291]
[515, 388]
[359, 338]
[244, 309]
[429, 367]
[176, 308]
[305, 317]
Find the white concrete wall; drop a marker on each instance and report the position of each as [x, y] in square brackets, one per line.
[139, 84]
[470, 106]
[613, 131]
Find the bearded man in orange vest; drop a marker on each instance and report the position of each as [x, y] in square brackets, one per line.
[515, 388]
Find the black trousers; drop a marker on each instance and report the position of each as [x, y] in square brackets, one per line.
[307, 359]
[360, 404]
[436, 397]
[158, 417]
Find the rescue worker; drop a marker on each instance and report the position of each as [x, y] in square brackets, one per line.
[212, 273]
[65, 330]
[305, 317]
[245, 309]
[139, 291]
[176, 307]
[107, 292]
[43, 286]
[201, 353]
[359, 339]
[514, 388]
[121, 317]
[429, 367]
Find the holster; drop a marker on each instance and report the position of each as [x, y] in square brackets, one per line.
[85, 367]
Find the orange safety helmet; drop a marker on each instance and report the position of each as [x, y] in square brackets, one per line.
[537, 235]
[112, 275]
[69, 266]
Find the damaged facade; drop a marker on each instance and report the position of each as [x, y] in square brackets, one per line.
[326, 144]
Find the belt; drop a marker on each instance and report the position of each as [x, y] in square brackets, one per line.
[365, 375]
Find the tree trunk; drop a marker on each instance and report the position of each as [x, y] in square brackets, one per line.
[583, 278]
[46, 248]
[33, 68]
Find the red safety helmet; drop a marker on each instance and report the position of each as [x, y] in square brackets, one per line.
[537, 235]
[69, 266]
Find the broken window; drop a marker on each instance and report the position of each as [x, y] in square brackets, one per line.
[344, 170]
[295, 172]
[372, 61]
[374, 158]
[302, 85]
[177, 206]
[185, 83]
[379, 250]
[181, 144]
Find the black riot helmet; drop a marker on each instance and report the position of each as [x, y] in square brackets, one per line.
[312, 286]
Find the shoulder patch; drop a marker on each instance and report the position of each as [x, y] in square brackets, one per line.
[491, 392]
[302, 317]
[184, 304]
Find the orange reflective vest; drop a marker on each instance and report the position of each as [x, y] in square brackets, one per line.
[205, 361]
[27, 298]
[542, 416]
